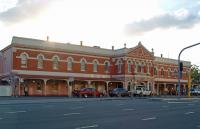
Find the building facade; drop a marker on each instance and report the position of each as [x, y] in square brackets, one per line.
[44, 68]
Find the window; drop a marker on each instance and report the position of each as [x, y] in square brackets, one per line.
[129, 67]
[162, 72]
[169, 72]
[55, 62]
[119, 66]
[83, 65]
[95, 66]
[40, 62]
[175, 73]
[69, 64]
[142, 68]
[155, 71]
[24, 60]
[106, 66]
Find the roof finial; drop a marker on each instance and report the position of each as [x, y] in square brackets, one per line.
[124, 45]
[47, 38]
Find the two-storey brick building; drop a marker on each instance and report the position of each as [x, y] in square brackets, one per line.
[47, 68]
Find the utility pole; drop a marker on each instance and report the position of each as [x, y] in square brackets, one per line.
[179, 68]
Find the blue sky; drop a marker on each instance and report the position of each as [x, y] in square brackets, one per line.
[167, 26]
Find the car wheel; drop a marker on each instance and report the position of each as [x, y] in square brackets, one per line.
[85, 95]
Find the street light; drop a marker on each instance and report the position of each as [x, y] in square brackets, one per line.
[179, 67]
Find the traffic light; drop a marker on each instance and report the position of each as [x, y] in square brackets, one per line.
[181, 66]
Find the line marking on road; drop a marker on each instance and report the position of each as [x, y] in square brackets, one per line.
[178, 102]
[16, 112]
[165, 106]
[150, 118]
[187, 113]
[198, 126]
[86, 127]
[191, 104]
[1, 118]
[128, 109]
[76, 107]
[69, 114]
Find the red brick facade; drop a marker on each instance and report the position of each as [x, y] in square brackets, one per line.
[127, 67]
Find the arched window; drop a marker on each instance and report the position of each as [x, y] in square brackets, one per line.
[129, 66]
[106, 66]
[40, 62]
[55, 62]
[169, 72]
[24, 60]
[69, 64]
[95, 66]
[175, 73]
[155, 71]
[83, 65]
[162, 72]
[119, 66]
[142, 67]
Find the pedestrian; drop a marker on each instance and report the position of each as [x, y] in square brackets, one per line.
[26, 91]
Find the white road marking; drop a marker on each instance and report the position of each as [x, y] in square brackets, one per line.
[1, 118]
[165, 106]
[16, 112]
[128, 109]
[198, 126]
[86, 127]
[69, 114]
[76, 107]
[187, 113]
[121, 104]
[190, 104]
[150, 118]
[178, 102]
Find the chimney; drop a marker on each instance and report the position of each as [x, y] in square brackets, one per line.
[81, 43]
[124, 45]
[112, 47]
[161, 55]
[152, 51]
[47, 38]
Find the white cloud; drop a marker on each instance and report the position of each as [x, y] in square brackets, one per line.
[24, 9]
[181, 18]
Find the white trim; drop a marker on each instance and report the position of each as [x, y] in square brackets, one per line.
[168, 80]
[59, 74]
[66, 53]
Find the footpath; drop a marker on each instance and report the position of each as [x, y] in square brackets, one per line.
[31, 100]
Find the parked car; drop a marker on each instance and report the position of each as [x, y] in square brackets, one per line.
[88, 92]
[195, 91]
[119, 92]
[141, 91]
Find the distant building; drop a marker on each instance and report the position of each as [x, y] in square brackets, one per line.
[44, 68]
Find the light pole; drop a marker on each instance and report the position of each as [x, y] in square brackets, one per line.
[179, 71]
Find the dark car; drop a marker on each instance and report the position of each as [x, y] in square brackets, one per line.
[119, 92]
[88, 92]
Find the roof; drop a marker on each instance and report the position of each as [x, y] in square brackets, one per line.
[171, 61]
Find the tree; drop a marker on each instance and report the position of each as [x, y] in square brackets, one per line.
[195, 75]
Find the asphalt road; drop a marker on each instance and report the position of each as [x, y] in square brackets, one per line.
[101, 114]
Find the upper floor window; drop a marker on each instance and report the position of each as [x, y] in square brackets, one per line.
[129, 66]
[83, 65]
[119, 66]
[106, 66]
[155, 71]
[69, 64]
[175, 73]
[95, 66]
[40, 62]
[55, 62]
[169, 72]
[142, 67]
[162, 72]
[24, 60]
